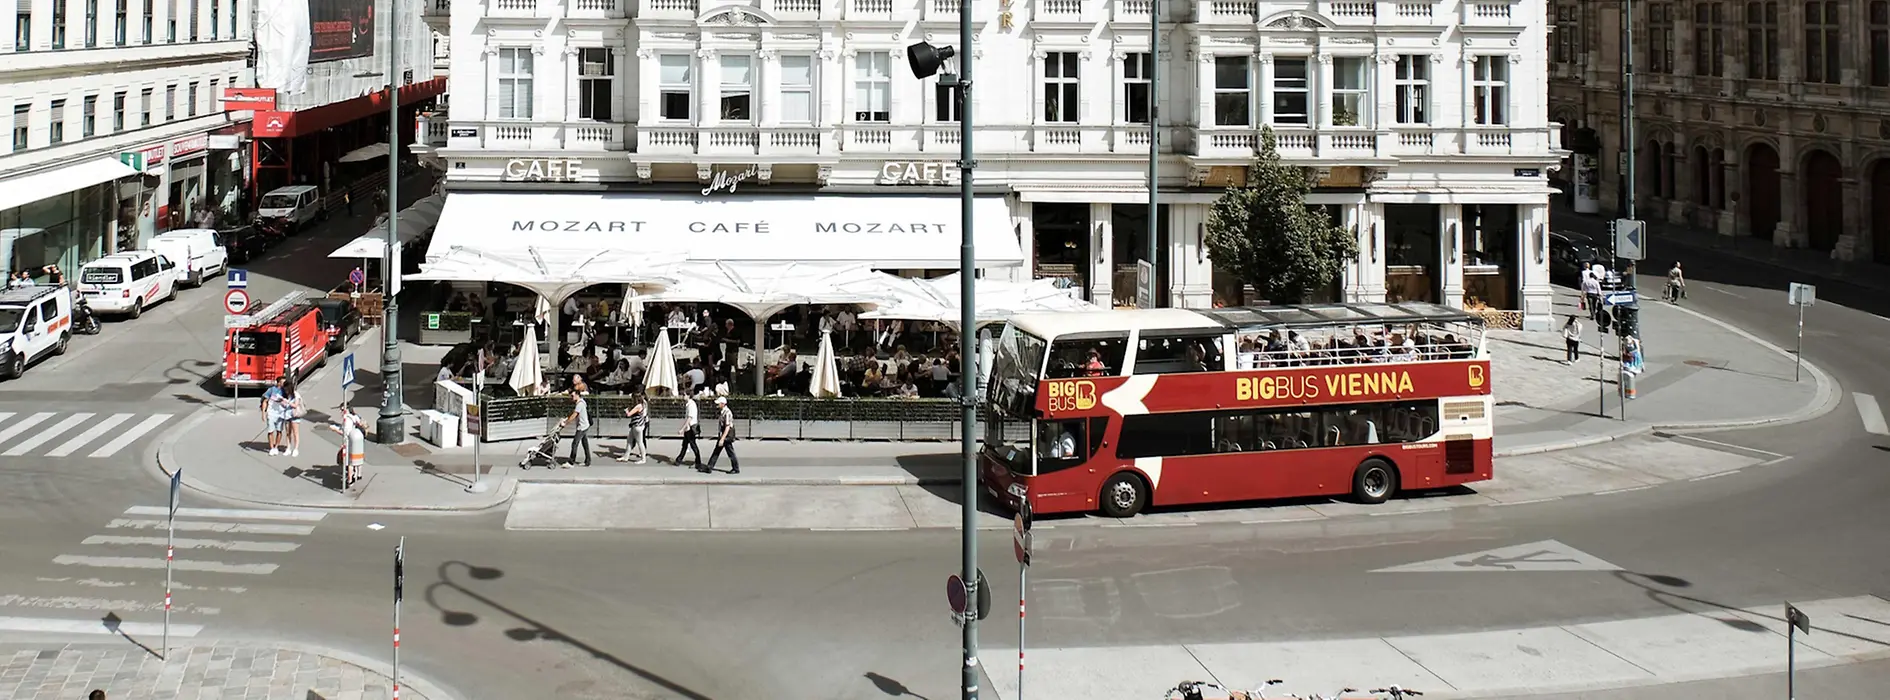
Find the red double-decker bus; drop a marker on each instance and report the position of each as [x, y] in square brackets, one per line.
[1115, 411]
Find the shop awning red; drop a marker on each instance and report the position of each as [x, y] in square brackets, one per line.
[315, 119]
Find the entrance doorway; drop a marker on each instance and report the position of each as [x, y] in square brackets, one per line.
[1411, 254]
[1129, 231]
[1762, 210]
[1824, 200]
[1062, 244]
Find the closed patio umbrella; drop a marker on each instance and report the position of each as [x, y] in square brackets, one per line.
[660, 365]
[826, 384]
[526, 374]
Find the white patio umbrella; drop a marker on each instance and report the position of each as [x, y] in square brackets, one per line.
[659, 364]
[826, 384]
[365, 153]
[526, 374]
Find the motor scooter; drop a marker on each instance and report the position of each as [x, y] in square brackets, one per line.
[84, 321]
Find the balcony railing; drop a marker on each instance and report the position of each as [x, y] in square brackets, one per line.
[569, 136]
[595, 9]
[1487, 14]
[942, 10]
[1302, 143]
[514, 8]
[1129, 10]
[801, 10]
[869, 9]
[1059, 10]
[666, 9]
[1359, 13]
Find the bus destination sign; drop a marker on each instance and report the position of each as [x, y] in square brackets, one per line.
[1336, 384]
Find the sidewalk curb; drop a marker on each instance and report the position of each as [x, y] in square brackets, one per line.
[745, 481]
[1826, 400]
[166, 455]
[408, 680]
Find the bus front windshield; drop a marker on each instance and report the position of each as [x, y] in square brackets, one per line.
[1016, 367]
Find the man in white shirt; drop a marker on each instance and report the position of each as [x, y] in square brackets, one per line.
[697, 380]
[1591, 290]
[691, 426]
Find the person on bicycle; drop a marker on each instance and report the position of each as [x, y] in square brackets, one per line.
[1676, 283]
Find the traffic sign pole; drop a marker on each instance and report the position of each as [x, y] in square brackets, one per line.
[1021, 528]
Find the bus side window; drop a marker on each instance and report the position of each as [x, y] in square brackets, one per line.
[1087, 356]
[1178, 353]
[1062, 444]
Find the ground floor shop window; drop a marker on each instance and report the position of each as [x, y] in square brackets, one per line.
[1128, 231]
[66, 230]
[1490, 257]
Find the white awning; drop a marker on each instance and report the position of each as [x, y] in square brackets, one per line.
[765, 289]
[885, 232]
[415, 221]
[938, 299]
[27, 189]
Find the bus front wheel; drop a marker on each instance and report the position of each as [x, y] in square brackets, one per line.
[1123, 495]
[1375, 481]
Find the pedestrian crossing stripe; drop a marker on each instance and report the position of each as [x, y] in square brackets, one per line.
[122, 564]
[28, 434]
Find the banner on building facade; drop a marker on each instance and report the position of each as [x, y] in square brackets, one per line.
[269, 124]
[257, 99]
[340, 29]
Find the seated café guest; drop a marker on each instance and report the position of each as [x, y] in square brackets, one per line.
[908, 390]
[618, 377]
[697, 377]
[458, 303]
[447, 373]
[871, 378]
[900, 355]
[941, 377]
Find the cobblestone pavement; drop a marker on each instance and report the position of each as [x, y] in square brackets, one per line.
[223, 672]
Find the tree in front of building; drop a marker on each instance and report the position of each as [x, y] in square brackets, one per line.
[1264, 234]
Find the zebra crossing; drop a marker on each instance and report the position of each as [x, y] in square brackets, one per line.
[1871, 413]
[81, 434]
[119, 571]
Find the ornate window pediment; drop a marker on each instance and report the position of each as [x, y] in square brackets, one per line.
[737, 16]
[1296, 20]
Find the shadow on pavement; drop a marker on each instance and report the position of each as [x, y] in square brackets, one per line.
[892, 687]
[1663, 589]
[532, 629]
[955, 494]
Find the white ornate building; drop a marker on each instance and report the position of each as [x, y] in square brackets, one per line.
[1426, 118]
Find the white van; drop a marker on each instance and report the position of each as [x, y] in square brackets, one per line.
[197, 250]
[126, 283]
[34, 322]
[297, 205]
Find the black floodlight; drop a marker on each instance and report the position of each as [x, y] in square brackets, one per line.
[926, 59]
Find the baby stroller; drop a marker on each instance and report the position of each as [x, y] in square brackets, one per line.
[547, 447]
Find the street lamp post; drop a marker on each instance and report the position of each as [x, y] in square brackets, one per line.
[391, 427]
[926, 61]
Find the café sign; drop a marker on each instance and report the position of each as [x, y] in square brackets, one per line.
[918, 172]
[543, 169]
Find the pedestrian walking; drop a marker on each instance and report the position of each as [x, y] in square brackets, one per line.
[724, 438]
[581, 418]
[691, 427]
[638, 437]
[1591, 290]
[271, 409]
[1572, 336]
[347, 200]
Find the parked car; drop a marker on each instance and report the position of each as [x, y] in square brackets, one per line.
[34, 322]
[196, 250]
[1570, 253]
[341, 320]
[126, 283]
[245, 243]
[295, 206]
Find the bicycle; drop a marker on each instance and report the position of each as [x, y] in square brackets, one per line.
[1191, 690]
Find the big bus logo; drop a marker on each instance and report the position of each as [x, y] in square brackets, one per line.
[1476, 376]
[1078, 395]
[1338, 385]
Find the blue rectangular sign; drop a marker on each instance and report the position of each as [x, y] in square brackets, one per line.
[237, 279]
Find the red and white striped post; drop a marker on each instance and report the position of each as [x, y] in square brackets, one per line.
[170, 553]
[1020, 544]
[399, 580]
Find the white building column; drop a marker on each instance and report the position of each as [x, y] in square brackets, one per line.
[1026, 242]
[1190, 273]
[1102, 243]
[1450, 253]
[708, 76]
[1538, 300]
[1372, 252]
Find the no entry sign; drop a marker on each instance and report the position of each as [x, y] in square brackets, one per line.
[236, 301]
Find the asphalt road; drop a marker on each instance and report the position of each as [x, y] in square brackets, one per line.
[497, 614]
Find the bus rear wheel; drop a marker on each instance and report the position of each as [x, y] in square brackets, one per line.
[1123, 495]
[1374, 482]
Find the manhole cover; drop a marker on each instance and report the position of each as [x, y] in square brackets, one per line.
[1699, 363]
[410, 450]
